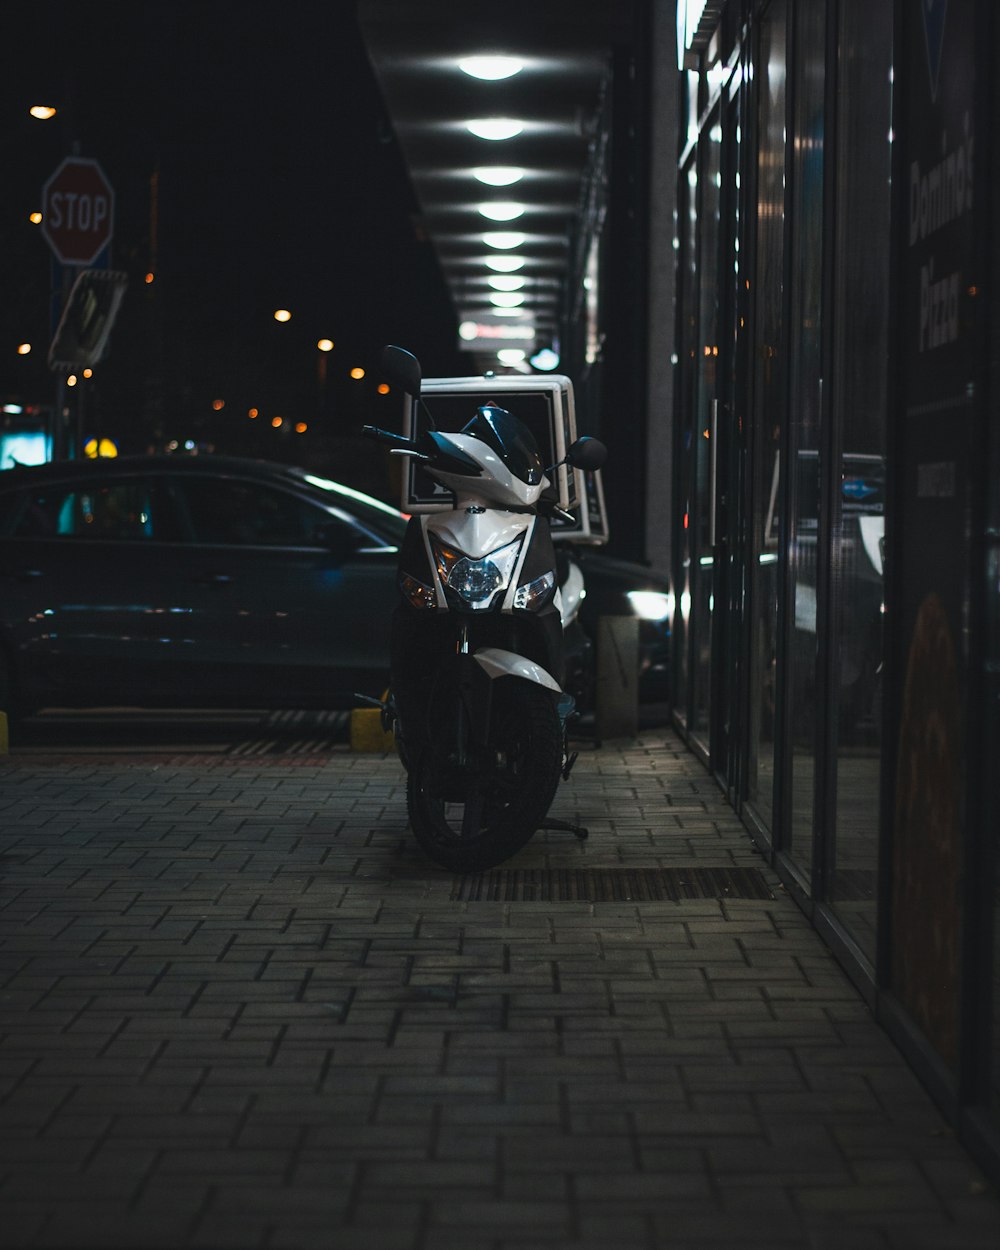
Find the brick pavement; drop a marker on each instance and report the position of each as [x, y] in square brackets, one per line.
[240, 1010]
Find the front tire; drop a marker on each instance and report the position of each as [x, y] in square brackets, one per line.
[471, 817]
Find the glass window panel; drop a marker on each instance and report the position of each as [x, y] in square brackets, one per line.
[807, 527]
[236, 513]
[768, 411]
[860, 349]
[688, 277]
[705, 431]
[123, 510]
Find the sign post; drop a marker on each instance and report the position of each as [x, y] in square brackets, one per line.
[78, 222]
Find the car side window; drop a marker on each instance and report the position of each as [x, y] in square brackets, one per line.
[240, 513]
[126, 510]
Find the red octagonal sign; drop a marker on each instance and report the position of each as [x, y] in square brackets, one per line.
[78, 211]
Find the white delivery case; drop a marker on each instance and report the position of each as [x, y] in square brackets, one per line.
[545, 405]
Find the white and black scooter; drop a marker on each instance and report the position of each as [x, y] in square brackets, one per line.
[476, 697]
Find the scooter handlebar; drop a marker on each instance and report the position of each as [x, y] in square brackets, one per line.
[385, 436]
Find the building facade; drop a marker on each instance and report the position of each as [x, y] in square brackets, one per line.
[835, 501]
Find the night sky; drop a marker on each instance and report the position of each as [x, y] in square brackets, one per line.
[280, 185]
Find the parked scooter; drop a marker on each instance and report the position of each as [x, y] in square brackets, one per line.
[476, 698]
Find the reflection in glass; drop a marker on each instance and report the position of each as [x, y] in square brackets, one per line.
[808, 527]
[705, 425]
[860, 346]
[688, 281]
[768, 411]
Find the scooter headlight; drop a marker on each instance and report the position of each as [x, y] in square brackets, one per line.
[476, 582]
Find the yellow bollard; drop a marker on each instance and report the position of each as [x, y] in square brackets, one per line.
[4, 735]
[367, 733]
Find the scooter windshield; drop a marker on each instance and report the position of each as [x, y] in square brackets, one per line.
[510, 439]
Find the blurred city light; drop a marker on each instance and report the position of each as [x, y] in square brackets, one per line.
[72, 380]
[491, 68]
[150, 277]
[88, 373]
[23, 349]
[501, 210]
[301, 427]
[494, 128]
[357, 374]
[506, 299]
[42, 111]
[505, 282]
[277, 422]
[498, 175]
[35, 218]
[325, 345]
[282, 314]
[253, 412]
[218, 404]
[383, 388]
[510, 355]
[95, 448]
[546, 359]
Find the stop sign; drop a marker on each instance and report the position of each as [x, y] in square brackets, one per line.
[78, 211]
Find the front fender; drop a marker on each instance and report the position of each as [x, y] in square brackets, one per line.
[495, 662]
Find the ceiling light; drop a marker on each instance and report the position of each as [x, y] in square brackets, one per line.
[501, 210]
[503, 239]
[505, 264]
[507, 299]
[498, 175]
[506, 283]
[510, 355]
[491, 68]
[494, 127]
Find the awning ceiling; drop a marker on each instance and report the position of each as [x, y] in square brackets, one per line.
[565, 50]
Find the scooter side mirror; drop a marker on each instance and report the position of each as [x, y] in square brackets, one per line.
[401, 368]
[587, 453]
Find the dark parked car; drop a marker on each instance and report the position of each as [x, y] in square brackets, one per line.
[204, 581]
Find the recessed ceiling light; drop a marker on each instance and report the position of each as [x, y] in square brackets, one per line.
[491, 68]
[501, 210]
[505, 282]
[494, 127]
[503, 239]
[498, 175]
[507, 299]
[505, 264]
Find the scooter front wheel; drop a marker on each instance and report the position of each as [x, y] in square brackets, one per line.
[476, 815]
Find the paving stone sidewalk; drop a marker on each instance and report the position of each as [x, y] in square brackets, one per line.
[239, 1009]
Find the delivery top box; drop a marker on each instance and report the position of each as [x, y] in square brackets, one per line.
[545, 405]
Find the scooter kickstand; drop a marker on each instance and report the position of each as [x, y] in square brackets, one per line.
[566, 826]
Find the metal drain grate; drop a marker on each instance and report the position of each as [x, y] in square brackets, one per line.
[608, 885]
